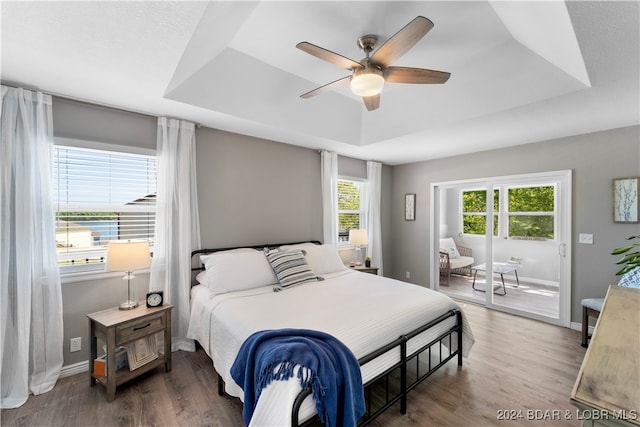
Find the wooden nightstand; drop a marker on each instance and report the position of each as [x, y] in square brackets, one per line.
[372, 270]
[120, 327]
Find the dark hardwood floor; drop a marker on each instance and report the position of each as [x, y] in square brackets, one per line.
[518, 367]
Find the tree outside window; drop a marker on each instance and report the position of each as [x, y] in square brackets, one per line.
[528, 212]
[474, 211]
[348, 208]
[531, 212]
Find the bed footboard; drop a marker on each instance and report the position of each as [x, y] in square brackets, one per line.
[413, 367]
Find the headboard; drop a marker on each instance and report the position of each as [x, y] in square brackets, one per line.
[268, 245]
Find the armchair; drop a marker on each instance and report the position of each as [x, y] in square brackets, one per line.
[454, 259]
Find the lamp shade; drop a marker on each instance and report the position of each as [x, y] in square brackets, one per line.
[127, 255]
[358, 237]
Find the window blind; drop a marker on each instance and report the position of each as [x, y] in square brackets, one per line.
[100, 196]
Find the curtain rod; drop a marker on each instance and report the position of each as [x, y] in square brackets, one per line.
[97, 103]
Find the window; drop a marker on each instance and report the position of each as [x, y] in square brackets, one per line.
[474, 211]
[532, 212]
[527, 212]
[349, 211]
[100, 196]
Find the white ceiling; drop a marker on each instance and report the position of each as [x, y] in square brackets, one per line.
[520, 71]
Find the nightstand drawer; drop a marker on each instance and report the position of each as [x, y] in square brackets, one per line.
[131, 331]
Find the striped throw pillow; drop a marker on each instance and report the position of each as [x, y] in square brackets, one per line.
[291, 268]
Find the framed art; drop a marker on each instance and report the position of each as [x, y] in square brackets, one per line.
[410, 207]
[141, 351]
[625, 200]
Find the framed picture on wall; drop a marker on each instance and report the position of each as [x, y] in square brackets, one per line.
[410, 207]
[625, 200]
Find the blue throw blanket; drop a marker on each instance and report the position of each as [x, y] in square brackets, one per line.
[333, 372]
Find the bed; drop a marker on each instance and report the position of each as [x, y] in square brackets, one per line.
[400, 333]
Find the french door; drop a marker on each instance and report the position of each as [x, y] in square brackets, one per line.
[518, 229]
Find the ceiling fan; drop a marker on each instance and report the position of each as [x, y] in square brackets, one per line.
[369, 75]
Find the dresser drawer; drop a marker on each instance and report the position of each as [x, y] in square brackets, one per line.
[139, 328]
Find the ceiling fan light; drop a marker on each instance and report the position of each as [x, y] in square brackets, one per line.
[367, 82]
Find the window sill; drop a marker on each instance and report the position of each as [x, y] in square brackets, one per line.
[86, 276]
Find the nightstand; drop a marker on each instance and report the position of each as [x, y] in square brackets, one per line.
[372, 270]
[117, 327]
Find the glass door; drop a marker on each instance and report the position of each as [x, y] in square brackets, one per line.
[517, 230]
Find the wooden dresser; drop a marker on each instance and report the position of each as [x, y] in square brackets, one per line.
[607, 391]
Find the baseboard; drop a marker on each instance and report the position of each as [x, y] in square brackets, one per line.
[578, 327]
[76, 368]
[80, 367]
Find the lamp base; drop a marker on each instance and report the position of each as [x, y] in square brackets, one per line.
[128, 305]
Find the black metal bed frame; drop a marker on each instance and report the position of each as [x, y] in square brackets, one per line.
[406, 383]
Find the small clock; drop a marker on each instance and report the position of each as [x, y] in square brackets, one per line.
[154, 299]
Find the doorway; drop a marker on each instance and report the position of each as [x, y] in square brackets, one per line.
[517, 231]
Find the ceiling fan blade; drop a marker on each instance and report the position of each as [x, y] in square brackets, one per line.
[415, 75]
[371, 102]
[402, 41]
[327, 55]
[326, 88]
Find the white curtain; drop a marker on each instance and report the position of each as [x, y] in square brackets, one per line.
[329, 170]
[374, 185]
[177, 230]
[31, 298]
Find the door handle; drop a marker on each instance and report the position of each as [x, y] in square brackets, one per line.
[562, 250]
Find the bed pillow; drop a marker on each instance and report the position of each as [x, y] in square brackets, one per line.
[291, 268]
[324, 259]
[205, 257]
[238, 271]
[201, 278]
[303, 246]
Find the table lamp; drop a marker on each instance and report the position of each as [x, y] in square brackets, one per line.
[128, 255]
[358, 238]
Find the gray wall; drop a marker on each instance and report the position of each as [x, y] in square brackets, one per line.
[253, 191]
[595, 158]
[90, 122]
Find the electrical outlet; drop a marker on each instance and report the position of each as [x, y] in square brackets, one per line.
[407, 275]
[76, 344]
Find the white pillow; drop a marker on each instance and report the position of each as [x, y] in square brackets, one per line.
[453, 253]
[201, 278]
[303, 246]
[238, 271]
[205, 257]
[324, 259]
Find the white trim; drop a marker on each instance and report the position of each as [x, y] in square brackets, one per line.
[564, 242]
[76, 368]
[94, 275]
[578, 327]
[104, 146]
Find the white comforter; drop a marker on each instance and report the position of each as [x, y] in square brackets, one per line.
[362, 310]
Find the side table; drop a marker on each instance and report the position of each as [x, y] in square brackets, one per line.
[371, 270]
[119, 327]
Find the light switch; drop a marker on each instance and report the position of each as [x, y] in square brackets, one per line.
[586, 239]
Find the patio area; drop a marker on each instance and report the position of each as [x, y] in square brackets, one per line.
[531, 297]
